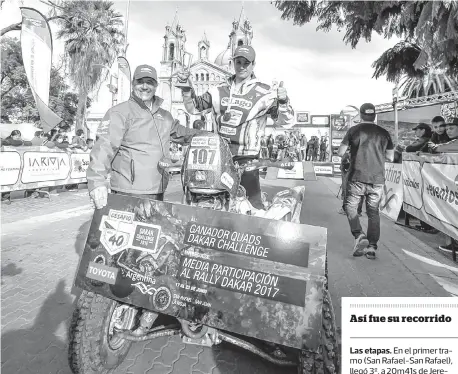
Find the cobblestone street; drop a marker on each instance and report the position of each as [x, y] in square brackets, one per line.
[42, 240]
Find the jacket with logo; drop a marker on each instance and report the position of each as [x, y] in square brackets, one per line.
[250, 108]
[132, 140]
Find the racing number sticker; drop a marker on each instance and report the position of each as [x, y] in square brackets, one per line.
[203, 159]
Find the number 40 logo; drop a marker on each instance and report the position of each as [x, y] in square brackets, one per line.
[114, 241]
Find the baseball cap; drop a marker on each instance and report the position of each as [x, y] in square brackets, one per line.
[367, 109]
[245, 51]
[145, 71]
[423, 126]
[453, 122]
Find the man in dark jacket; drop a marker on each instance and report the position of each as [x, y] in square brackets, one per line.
[133, 137]
[370, 145]
[423, 133]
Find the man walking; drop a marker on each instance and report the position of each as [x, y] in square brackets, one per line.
[370, 146]
[133, 137]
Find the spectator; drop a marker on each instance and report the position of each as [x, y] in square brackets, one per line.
[39, 138]
[452, 145]
[264, 151]
[14, 139]
[439, 132]
[370, 145]
[78, 140]
[60, 142]
[270, 145]
[303, 145]
[423, 133]
[90, 143]
[323, 148]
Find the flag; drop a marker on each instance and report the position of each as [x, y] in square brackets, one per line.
[123, 79]
[36, 45]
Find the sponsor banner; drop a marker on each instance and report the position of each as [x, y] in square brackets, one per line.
[10, 167]
[45, 166]
[211, 266]
[412, 184]
[295, 173]
[431, 190]
[36, 46]
[336, 159]
[326, 169]
[440, 195]
[336, 142]
[26, 168]
[303, 117]
[79, 165]
[124, 79]
[391, 202]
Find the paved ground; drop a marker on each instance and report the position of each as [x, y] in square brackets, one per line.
[42, 241]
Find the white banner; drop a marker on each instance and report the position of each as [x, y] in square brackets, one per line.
[45, 166]
[440, 195]
[80, 163]
[392, 195]
[326, 170]
[296, 173]
[412, 184]
[10, 166]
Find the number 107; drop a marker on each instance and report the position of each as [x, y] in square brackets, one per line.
[200, 156]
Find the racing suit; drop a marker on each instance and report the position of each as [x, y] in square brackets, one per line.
[250, 107]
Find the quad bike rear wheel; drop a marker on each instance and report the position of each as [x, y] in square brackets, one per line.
[326, 360]
[94, 348]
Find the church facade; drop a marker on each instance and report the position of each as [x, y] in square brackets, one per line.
[205, 72]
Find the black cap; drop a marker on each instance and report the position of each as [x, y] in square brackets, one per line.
[423, 126]
[367, 109]
[453, 122]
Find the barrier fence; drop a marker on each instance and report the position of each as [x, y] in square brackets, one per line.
[27, 168]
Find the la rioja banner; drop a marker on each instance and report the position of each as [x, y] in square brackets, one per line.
[36, 45]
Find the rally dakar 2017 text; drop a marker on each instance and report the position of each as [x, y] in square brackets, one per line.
[223, 239]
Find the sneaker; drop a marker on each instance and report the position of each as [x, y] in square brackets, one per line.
[370, 253]
[361, 244]
[446, 248]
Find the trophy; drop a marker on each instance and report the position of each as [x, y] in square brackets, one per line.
[186, 61]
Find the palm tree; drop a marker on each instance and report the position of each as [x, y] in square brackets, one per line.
[418, 73]
[93, 36]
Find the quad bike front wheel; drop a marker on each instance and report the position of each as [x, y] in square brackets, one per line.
[94, 347]
[326, 360]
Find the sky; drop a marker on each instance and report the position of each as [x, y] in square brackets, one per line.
[321, 73]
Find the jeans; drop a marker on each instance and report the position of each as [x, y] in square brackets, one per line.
[356, 191]
[158, 196]
[344, 192]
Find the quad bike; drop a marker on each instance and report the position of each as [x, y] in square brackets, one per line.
[103, 329]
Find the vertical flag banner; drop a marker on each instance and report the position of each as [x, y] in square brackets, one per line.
[124, 79]
[36, 45]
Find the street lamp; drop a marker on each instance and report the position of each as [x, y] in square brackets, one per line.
[113, 85]
[395, 109]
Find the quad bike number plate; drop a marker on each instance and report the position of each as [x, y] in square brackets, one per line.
[201, 158]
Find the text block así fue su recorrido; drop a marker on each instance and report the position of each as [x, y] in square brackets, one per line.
[400, 335]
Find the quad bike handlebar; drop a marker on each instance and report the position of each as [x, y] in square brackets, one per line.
[166, 163]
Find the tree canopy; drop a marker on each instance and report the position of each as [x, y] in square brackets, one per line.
[432, 25]
[18, 104]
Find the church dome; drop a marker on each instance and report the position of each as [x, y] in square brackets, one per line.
[224, 58]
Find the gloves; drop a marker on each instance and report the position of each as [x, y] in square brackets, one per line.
[183, 75]
[99, 196]
[282, 95]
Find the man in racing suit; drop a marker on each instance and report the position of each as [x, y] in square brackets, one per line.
[239, 113]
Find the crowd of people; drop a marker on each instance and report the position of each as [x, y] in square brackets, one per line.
[56, 138]
[294, 146]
